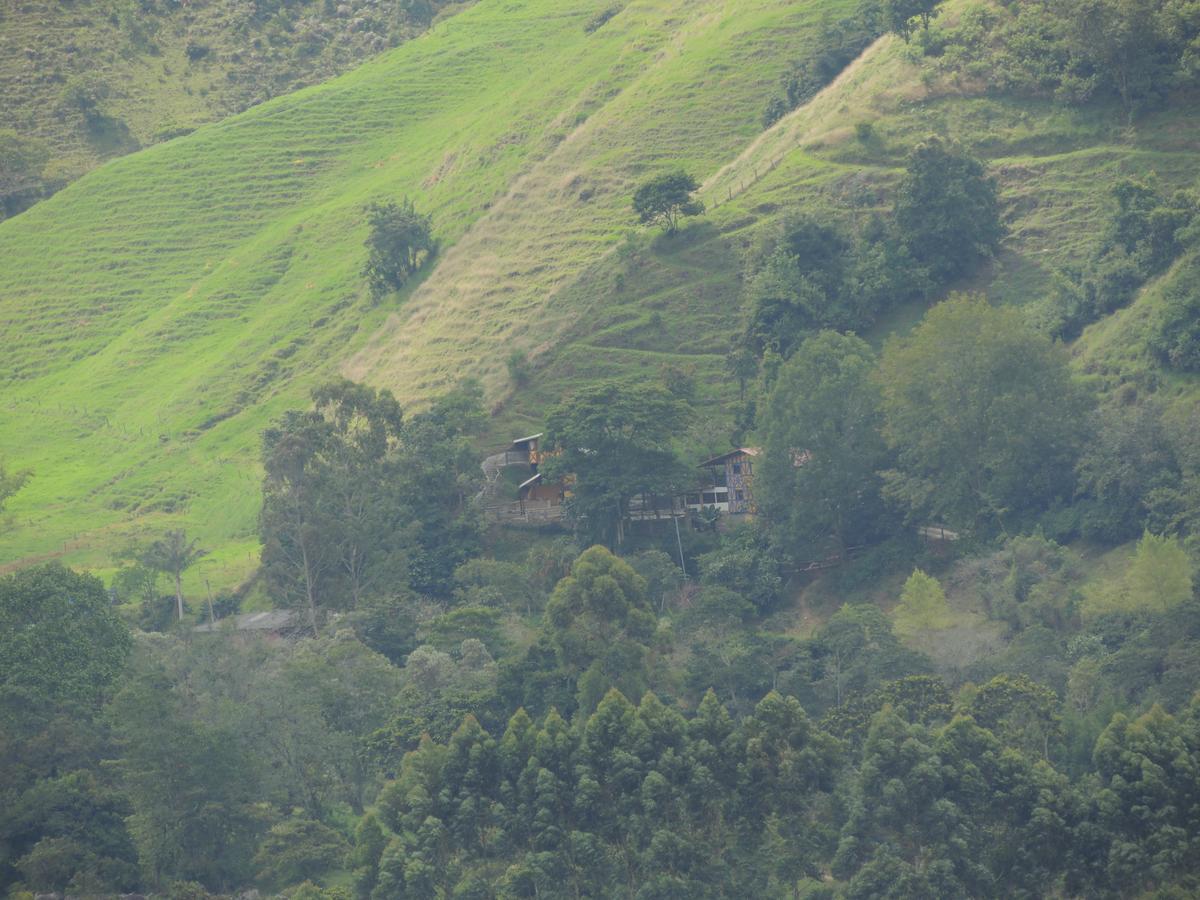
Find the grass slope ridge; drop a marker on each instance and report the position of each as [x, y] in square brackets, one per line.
[160, 311]
[157, 68]
[658, 303]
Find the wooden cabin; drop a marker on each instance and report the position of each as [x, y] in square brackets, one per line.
[728, 483]
[536, 499]
[537, 488]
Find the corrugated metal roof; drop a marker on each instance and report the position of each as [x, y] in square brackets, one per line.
[747, 451]
[272, 620]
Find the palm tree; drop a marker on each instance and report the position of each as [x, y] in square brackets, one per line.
[173, 554]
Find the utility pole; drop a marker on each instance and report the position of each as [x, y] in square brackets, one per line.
[679, 541]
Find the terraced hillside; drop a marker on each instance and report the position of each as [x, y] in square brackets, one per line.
[160, 311]
[193, 290]
[86, 80]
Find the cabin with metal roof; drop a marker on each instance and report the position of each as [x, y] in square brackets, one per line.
[728, 484]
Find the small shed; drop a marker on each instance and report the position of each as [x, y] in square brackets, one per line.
[530, 448]
[536, 488]
[275, 623]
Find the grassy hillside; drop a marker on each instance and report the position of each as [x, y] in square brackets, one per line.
[160, 311]
[657, 303]
[157, 68]
[197, 288]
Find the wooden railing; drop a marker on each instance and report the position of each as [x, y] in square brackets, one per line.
[528, 512]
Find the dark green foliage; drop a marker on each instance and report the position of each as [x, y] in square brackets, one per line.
[922, 699]
[902, 16]
[946, 210]
[984, 415]
[62, 642]
[68, 833]
[1031, 582]
[634, 801]
[190, 785]
[742, 364]
[1149, 797]
[329, 509]
[401, 239]
[746, 564]
[1175, 339]
[601, 19]
[1129, 471]
[1020, 712]
[360, 503]
[819, 480]
[1146, 234]
[298, 850]
[662, 575]
[218, 741]
[664, 199]
[519, 368]
[814, 276]
[85, 94]
[1142, 658]
[616, 441]
[947, 812]
[782, 302]
[387, 625]
[440, 689]
[1130, 51]
[944, 222]
[601, 622]
[62, 652]
[172, 555]
[855, 651]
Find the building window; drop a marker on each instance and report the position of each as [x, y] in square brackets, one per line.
[738, 495]
[737, 468]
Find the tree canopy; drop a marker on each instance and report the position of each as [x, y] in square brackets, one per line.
[615, 441]
[947, 212]
[62, 642]
[665, 199]
[819, 479]
[400, 239]
[983, 413]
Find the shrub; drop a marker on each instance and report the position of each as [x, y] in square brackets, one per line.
[400, 240]
[922, 606]
[520, 370]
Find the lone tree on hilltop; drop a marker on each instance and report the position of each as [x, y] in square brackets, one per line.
[664, 199]
[401, 239]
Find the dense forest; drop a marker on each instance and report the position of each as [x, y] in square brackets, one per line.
[952, 652]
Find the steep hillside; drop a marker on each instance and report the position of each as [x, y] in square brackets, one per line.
[88, 80]
[196, 288]
[160, 311]
[657, 303]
